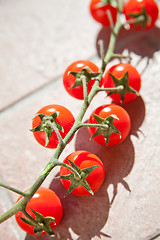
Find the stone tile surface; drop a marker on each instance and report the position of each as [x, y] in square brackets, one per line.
[127, 205]
[37, 40]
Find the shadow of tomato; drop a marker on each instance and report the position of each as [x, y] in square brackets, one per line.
[118, 160]
[136, 111]
[82, 216]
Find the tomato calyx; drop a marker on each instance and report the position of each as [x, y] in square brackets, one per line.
[83, 75]
[107, 127]
[78, 177]
[48, 125]
[123, 86]
[141, 19]
[43, 223]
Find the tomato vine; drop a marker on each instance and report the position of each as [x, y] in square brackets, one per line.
[51, 129]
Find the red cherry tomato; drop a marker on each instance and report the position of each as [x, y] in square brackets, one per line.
[123, 124]
[118, 71]
[44, 201]
[65, 119]
[69, 79]
[99, 12]
[135, 7]
[84, 159]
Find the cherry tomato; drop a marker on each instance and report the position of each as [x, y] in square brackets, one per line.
[44, 201]
[99, 12]
[147, 8]
[123, 124]
[69, 79]
[64, 118]
[118, 71]
[84, 159]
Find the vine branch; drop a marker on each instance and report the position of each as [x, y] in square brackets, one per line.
[12, 189]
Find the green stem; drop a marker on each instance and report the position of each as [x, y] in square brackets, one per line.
[113, 38]
[115, 89]
[155, 237]
[110, 51]
[12, 189]
[135, 20]
[117, 55]
[85, 87]
[21, 204]
[101, 47]
[93, 125]
[17, 207]
[110, 19]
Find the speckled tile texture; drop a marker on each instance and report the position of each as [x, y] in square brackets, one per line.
[38, 40]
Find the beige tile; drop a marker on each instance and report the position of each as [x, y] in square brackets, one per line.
[132, 168]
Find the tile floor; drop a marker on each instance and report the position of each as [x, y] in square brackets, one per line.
[39, 39]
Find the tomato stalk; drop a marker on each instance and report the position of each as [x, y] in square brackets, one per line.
[138, 19]
[108, 12]
[12, 189]
[21, 204]
[115, 89]
[85, 87]
[110, 52]
[51, 125]
[93, 125]
[115, 31]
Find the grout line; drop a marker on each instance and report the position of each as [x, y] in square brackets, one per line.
[32, 93]
[29, 94]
